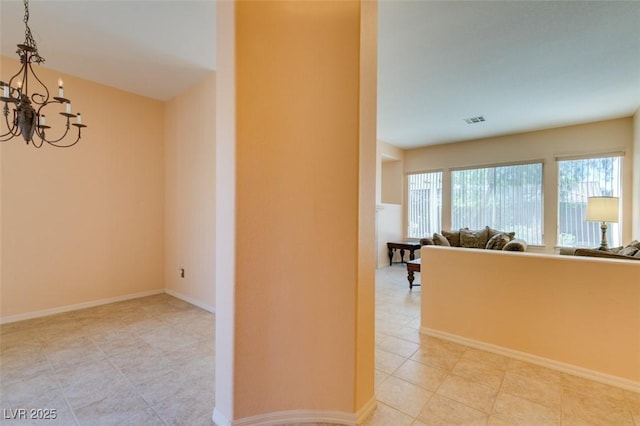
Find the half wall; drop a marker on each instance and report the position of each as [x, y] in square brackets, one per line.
[582, 314]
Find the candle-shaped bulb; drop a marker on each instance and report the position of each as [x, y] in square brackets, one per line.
[60, 89]
[19, 85]
[5, 91]
[79, 118]
[43, 120]
[68, 107]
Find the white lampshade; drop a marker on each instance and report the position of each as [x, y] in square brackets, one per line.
[603, 209]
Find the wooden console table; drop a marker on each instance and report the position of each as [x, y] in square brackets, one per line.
[412, 246]
[412, 267]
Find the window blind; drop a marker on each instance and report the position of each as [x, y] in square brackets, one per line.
[578, 180]
[424, 204]
[507, 198]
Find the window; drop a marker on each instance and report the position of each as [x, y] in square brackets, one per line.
[424, 204]
[578, 180]
[508, 198]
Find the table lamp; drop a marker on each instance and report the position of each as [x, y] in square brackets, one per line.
[603, 209]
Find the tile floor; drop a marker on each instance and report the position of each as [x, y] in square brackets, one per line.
[422, 380]
[150, 361]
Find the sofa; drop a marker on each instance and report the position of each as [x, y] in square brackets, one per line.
[487, 238]
[629, 252]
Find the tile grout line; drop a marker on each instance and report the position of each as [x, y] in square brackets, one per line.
[495, 398]
[55, 377]
[131, 385]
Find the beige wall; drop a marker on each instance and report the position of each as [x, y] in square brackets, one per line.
[572, 310]
[593, 138]
[390, 173]
[190, 194]
[636, 177]
[301, 321]
[85, 223]
[365, 400]
[392, 179]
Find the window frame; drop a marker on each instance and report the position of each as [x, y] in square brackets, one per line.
[614, 231]
[540, 226]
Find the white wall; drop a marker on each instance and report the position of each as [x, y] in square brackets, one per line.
[389, 184]
[389, 228]
[190, 194]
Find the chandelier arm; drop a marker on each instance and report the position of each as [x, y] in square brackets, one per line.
[41, 135]
[41, 131]
[20, 71]
[34, 142]
[42, 97]
[55, 143]
[69, 145]
[9, 135]
[12, 130]
[45, 99]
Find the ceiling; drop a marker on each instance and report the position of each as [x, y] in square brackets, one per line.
[152, 48]
[522, 65]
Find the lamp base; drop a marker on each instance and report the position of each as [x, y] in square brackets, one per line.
[604, 246]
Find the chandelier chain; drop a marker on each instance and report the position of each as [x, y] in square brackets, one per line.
[28, 37]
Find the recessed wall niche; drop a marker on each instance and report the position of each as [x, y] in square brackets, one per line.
[391, 180]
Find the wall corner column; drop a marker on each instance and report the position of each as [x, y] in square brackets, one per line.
[295, 212]
[225, 242]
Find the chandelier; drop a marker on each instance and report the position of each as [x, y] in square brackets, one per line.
[27, 118]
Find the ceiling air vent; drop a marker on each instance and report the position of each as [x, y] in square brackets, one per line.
[474, 120]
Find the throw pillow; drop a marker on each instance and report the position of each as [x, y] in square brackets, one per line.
[628, 251]
[439, 240]
[427, 241]
[515, 245]
[493, 232]
[453, 238]
[474, 239]
[634, 243]
[498, 241]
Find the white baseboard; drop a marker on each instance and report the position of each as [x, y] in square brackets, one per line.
[220, 419]
[294, 417]
[77, 306]
[300, 417]
[91, 304]
[596, 376]
[191, 300]
[363, 414]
